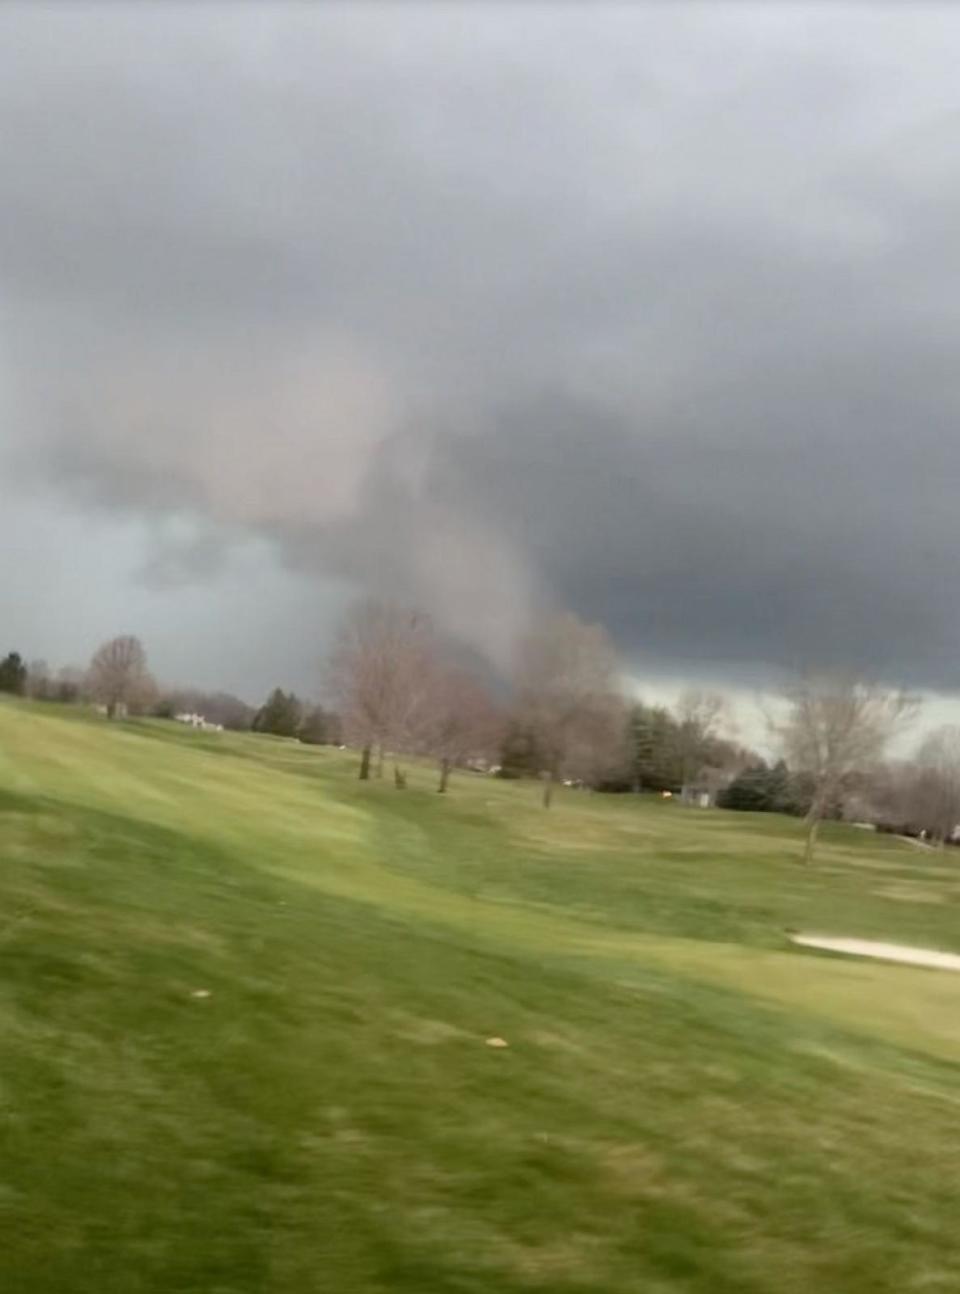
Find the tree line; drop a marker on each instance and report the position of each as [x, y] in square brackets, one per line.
[119, 680]
[395, 687]
[652, 748]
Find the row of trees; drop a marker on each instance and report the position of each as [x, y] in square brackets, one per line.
[566, 718]
[931, 791]
[40, 684]
[665, 750]
[399, 688]
[118, 678]
[762, 788]
[284, 715]
[652, 748]
[919, 796]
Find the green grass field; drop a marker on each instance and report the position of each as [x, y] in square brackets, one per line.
[244, 1003]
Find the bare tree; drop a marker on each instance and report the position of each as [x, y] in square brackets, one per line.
[39, 686]
[887, 795]
[118, 676]
[380, 672]
[598, 749]
[568, 693]
[69, 683]
[836, 725]
[700, 716]
[935, 786]
[464, 722]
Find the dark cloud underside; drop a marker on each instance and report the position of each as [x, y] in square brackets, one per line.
[648, 310]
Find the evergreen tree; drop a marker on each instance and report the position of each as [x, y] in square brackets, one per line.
[759, 789]
[319, 727]
[655, 759]
[281, 715]
[750, 791]
[13, 674]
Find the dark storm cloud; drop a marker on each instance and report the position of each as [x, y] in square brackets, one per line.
[649, 311]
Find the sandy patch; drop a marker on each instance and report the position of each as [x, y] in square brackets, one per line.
[883, 951]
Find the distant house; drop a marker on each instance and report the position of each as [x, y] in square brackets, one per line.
[120, 710]
[198, 721]
[702, 791]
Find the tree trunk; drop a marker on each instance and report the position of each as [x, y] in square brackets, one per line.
[548, 784]
[365, 764]
[380, 758]
[111, 709]
[399, 778]
[444, 774]
[813, 826]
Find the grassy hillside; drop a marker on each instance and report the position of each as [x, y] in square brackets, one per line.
[244, 1002]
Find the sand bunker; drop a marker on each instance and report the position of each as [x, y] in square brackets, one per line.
[885, 952]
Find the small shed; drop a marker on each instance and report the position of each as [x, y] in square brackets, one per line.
[701, 791]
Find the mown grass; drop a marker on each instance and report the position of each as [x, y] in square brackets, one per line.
[688, 1102]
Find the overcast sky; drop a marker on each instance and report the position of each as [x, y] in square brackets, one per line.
[650, 311]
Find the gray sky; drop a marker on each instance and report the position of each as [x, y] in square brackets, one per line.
[646, 310]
